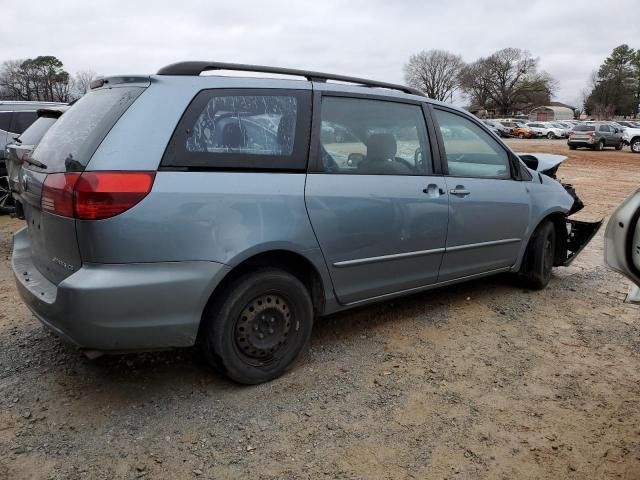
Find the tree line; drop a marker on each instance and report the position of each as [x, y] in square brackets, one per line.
[42, 78]
[614, 89]
[507, 82]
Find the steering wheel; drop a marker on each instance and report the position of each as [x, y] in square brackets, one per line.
[404, 162]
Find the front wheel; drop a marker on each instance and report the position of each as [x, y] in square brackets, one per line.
[635, 145]
[572, 147]
[619, 146]
[258, 326]
[521, 135]
[550, 136]
[538, 258]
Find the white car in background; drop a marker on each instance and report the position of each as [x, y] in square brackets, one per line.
[631, 137]
[542, 129]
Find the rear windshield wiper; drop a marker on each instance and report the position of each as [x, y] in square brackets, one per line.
[35, 163]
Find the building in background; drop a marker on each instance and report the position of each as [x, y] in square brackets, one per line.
[548, 113]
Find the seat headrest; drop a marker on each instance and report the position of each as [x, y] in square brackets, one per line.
[286, 132]
[232, 136]
[381, 146]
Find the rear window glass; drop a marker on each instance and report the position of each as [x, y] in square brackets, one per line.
[71, 141]
[240, 129]
[245, 124]
[22, 121]
[36, 131]
[584, 128]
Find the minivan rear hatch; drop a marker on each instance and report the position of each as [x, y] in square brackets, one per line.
[63, 152]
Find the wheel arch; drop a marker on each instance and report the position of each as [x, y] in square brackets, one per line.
[558, 218]
[296, 263]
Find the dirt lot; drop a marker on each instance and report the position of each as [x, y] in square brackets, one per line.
[480, 381]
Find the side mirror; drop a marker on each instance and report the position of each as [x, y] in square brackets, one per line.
[354, 159]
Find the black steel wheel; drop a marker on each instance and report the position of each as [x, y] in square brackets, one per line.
[7, 203]
[256, 328]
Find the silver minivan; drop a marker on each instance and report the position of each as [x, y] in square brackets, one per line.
[179, 209]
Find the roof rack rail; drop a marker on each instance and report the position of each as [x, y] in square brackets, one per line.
[196, 68]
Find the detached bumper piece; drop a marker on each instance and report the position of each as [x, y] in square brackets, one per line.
[579, 234]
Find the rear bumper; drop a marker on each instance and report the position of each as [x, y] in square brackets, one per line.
[119, 307]
[581, 143]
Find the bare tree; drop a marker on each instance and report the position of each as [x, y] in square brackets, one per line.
[40, 78]
[509, 80]
[434, 72]
[82, 81]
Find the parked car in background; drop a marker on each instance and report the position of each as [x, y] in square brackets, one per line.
[15, 118]
[564, 128]
[18, 152]
[631, 137]
[236, 222]
[595, 136]
[498, 128]
[523, 131]
[629, 124]
[544, 130]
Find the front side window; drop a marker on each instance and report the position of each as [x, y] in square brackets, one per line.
[240, 129]
[471, 151]
[373, 137]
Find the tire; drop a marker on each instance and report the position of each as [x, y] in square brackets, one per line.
[258, 326]
[619, 146]
[572, 147]
[635, 145]
[599, 146]
[550, 136]
[521, 135]
[539, 256]
[7, 204]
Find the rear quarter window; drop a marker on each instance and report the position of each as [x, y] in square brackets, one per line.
[69, 144]
[243, 129]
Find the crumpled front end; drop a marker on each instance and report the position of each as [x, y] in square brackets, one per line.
[577, 233]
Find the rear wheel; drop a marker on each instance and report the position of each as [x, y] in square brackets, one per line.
[7, 204]
[258, 326]
[600, 145]
[635, 145]
[538, 259]
[550, 136]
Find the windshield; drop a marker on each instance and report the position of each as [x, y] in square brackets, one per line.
[71, 141]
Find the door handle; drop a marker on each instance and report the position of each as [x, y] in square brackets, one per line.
[433, 190]
[459, 191]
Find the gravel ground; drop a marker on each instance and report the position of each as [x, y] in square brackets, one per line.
[479, 381]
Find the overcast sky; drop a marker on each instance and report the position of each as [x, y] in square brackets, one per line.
[366, 38]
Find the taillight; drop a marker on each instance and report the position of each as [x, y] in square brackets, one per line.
[94, 195]
[57, 193]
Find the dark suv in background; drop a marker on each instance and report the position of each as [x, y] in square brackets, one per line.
[595, 136]
[15, 118]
